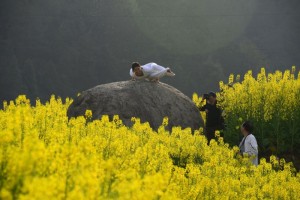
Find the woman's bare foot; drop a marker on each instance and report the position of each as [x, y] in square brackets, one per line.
[170, 73]
[156, 80]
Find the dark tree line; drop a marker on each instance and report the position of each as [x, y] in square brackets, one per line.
[63, 47]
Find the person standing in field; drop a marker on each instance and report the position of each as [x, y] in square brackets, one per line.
[150, 71]
[214, 118]
[248, 145]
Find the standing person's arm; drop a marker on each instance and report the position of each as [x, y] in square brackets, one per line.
[251, 146]
[221, 119]
[203, 108]
[254, 145]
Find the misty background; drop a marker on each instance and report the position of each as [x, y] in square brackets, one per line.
[63, 47]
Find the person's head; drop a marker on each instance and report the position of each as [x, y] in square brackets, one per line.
[212, 98]
[136, 69]
[247, 128]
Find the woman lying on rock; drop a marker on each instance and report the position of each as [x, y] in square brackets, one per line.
[150, 71]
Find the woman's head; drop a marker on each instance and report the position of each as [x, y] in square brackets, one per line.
[247, 128]
[136, 69]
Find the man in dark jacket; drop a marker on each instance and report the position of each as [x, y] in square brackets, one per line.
[214, 119]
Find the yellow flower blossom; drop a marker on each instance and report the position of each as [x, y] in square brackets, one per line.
[43, 155]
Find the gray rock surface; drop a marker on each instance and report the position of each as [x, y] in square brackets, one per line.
[146, 100]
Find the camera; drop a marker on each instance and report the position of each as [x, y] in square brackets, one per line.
[206, 96]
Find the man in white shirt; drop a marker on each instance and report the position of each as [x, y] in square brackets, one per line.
[248, 144]
[150, 71]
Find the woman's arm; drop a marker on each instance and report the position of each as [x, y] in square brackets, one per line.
[132, 74]
[251, 146]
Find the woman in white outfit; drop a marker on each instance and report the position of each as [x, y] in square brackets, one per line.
[150, 71]
[248, 144]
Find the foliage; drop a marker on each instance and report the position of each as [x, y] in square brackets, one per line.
[271, 102]
[63, 48]
[43, 155]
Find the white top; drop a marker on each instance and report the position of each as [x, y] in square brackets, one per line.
[152, 71]
[250, 147]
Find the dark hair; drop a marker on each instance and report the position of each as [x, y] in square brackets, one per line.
[212, 94]
[247, 125]
[134, 65]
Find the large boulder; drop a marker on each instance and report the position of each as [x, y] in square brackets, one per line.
[149, 101]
